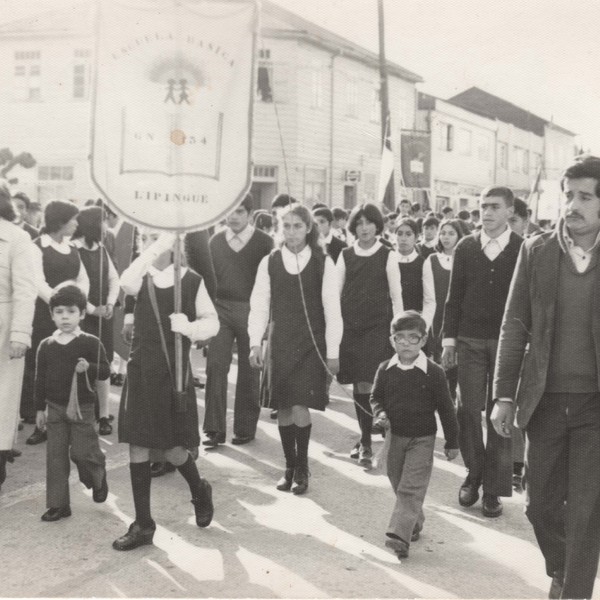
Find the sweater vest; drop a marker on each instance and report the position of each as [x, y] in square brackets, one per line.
[572, 367]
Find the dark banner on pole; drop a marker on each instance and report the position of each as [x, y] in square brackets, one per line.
[416, 159]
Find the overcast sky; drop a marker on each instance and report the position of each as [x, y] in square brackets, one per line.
[543, 55]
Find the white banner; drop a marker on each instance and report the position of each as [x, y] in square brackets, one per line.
[172, 108]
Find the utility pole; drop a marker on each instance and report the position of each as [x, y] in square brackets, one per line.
[386, 123]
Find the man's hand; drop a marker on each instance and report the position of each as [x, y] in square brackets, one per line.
[127, 333]
[256, 357]
[82, 365]
[17, 350]
[333, 364]
[40, 420]
[448, 357]
[108, 311]
[382, 420]
[502, 418]
[451, 453]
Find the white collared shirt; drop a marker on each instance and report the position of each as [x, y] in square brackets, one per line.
[408, 258]
[63, 338]
[429, 301]
[391, 269]
[492, 247]
[237, 241]
[579, 256]
[260, 300]
[419, 363]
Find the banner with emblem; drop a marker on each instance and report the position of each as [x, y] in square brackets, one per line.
[172, 108]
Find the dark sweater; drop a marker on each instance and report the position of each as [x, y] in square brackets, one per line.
[236, 271]
[56, 364]
[478, 289]
[411, 399]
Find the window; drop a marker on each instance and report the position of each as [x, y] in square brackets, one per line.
[265, 173]
[446, 137]
[81, 73]
[351, 98]
[55, 173]
[27, 75]
[375, 106]
[314, 185]
[463, 141]
[316, 99]
[264, 80]
[502, 155]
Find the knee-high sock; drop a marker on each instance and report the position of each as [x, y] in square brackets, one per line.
[302, 439]
[140, 484]
[287, 433]
[363, 414]
[189, 470]
[103, 391]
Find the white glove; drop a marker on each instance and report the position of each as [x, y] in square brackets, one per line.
[181, 324]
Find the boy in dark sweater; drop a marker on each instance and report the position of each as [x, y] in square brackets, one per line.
[68, 364]
[408, 390]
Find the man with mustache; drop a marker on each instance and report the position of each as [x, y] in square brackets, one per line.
[547, 374]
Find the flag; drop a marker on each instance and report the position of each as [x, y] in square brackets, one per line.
[386, 168]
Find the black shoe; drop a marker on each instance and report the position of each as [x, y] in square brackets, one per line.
[104, 426]
[203, 504]
[157, 469]
[365, 456]
[491, 506]
[517, 483]
[416, 534]
[355, 451]
[300, 484]
[556, 586]
[135, 536]
[239, 440]
[15, 453]
[468, 493]
[213, 439]
[100, 494]
[37, 437]
[199, 384]
[285, 483]
[117, 379]
[54, 514]
[274, 414]
[400, 547]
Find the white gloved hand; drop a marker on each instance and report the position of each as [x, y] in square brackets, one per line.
[180, 324]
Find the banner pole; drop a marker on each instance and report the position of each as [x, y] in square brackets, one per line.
[178, 346]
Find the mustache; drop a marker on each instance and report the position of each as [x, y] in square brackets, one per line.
[574, 213]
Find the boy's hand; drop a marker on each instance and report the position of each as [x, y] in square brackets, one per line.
[451, 453]
[82, 365]
[108, 311]
[382, 420]
[333, 364]
[449, 357]
[17, 350]
[40, 420]
[256, 357]
[127, 333]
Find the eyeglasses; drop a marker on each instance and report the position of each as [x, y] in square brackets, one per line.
[411, 338]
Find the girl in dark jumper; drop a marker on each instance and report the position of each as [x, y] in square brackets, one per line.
[296, 287]
[151, 416]
[104, 290]
[371, 292]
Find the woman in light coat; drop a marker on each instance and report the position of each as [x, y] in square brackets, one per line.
[18, 292]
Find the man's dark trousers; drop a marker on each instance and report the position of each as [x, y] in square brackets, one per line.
[233, 318]
[563, 448]
[491, 463]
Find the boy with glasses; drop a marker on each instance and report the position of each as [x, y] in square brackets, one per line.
[408, 390]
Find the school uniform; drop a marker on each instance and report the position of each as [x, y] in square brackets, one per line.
[55, 263]
[147, 414]
[411, 276]
[235, 259]
[333, 246]
[410, 395]
[70, 434]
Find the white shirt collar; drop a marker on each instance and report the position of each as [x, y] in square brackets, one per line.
[502, 239]
[571, 244]
[243, 235]
[64, 338]
[409, 258]
[305, 253]
[362, 252]
[46, 240]
[419, 363]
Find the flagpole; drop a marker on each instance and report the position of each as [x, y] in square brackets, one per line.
[181, 405]
[389, 198]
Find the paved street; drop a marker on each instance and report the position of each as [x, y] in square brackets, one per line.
[263, 543]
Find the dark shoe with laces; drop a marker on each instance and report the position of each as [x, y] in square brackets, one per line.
[556, 586]
[285, 483]
[213, 439]
[399, 546]
[136, 536]
[239, 440]
[100, 494]
[469, 492]
[355, 451]
[365, 456]
[300, 484]
[37, 437]
[491, 506]
[104, 426]
[203, 504]
[54, 514]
